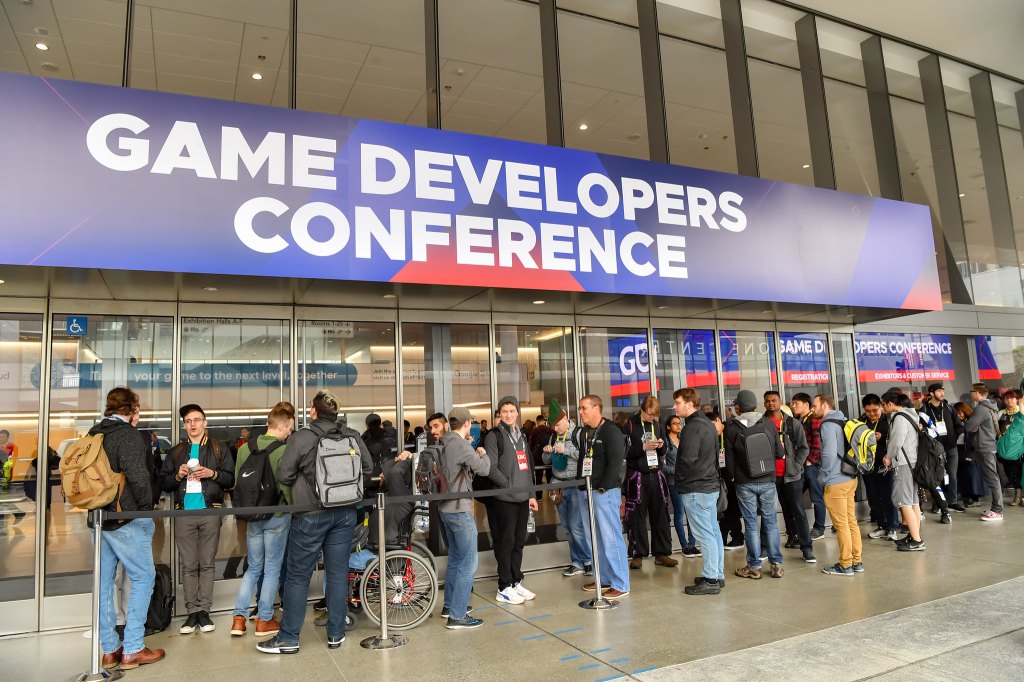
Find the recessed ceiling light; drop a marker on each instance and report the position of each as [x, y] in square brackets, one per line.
[662, 307]
[389, 295]
[42, 46]
[583, 126]
[2, 281]
[538, 302]
[210, 289]
[807, 165]
[257, 76]
[962, 194]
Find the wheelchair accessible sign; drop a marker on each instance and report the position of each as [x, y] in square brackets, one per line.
[77, 325]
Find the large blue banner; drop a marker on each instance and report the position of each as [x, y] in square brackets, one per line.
[95, 176]
[883, 357]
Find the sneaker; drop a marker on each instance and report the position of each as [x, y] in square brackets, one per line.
[838, 570]
[267, 628]
[571, 570]
[275, 646]
[911, 546]
[922, 517]
[190, 624]
[703, 587]
[734, 545]
[972, 503]
[809, 557]
[700, 578]
[946, 519]
[792, 543]
[445, 611]
[858, 567]
[592, 587]
[335, 642]
[748, 572]
[776, 571]
[817, 534]
[252, 614]
[588, 570]
[321, 620]
[992, 516]
[509, 596]
[891, 535]
[467, 623]
[523, 592]
[238, 626]
[935, 510]
[764, 556]
[205, 624]
[320, 605]
[691, 552]
[903, 528]
[959, 508]
[612, 593]
[878, 533]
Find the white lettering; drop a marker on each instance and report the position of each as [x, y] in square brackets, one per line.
[553, 250]
[244, 227]
[305, 160]
[138, 150]
[644, 269]
[423, 237]
[369, 155]
[635, 194]
[390, 239]
[319, 209]
[184, 149]
[466, 239]
[611, 203]
[518, 181]
[671, 256]
[433, 167]
[520, 248]
[270, 153]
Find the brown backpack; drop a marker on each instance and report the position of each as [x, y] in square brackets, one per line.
[86, 476]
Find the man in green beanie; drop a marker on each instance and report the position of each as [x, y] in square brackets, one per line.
[562, 453]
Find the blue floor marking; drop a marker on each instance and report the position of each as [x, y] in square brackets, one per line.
[483, 608]
[642, 670]
[569, 658]
[562, 632]
[543, 615]
[601, 651]
[533, 637]
[589, 666]
[618, 660]
[505, 622]
[606, 679]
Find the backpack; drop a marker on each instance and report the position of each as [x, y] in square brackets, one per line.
[860, 444]
[930, 470]
[757, 448]
[161, 604]
[255, 484]
[338, 472]
[1011, 444]
[86, 476]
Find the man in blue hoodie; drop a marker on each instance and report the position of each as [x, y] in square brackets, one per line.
[840, 489]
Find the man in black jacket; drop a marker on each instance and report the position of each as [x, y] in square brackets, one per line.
[602, 457]
[129, 543]
[949, 429]
[198, 471]
[698, 481]
[646, 488]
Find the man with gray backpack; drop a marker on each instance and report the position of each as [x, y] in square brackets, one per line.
[327, 466]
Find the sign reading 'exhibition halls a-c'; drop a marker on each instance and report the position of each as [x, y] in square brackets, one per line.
[118, 178]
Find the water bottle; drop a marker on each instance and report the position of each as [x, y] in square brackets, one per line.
[422, 520]
[531, 524]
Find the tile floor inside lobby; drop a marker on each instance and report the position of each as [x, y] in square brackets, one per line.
[955, 611]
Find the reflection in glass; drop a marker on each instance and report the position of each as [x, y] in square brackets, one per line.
[686, 358]
[90, 356]
[804, 357]
[20, 351]
[535, 364]
[748, 362]
[616, 367]
[846, 375]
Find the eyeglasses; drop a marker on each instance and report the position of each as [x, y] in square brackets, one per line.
[197, 420]
[585, 407]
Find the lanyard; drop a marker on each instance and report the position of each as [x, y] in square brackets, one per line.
[587, 447]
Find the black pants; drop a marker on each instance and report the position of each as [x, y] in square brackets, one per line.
[731, 522]
[1012, 469]
[879, 488]
[791, 497]
[508, 535]
[647, 497]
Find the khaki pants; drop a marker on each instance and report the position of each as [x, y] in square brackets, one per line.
[839, 500]
[197, 538]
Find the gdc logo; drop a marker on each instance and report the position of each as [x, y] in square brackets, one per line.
[634, 358]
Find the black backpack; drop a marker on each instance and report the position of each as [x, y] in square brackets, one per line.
[255, 484]
[757, 449]
[930, 470]
[161, 604]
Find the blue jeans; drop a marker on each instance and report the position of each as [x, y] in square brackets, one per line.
[132, 546]
[330, 531]
[702, 513]
[812, 476]
[611, 548]
[684, 533]
[758, 499]
[265, 542]
[460, 534]
[572, 520]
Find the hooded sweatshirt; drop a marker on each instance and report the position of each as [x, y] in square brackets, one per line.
[833, 442]
[564, 466]
[902, 447]
[983, 422]
[511, 465]
[460, 462]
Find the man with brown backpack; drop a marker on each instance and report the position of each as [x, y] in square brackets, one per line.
[197, 470]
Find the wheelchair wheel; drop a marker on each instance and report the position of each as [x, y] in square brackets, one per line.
[411, 589]
[417, 547]
[350, 621]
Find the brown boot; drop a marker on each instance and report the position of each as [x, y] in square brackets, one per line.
[112, 661]
[265, 628]
[636, 562]
[129, 661]
[1016, 498]
[666, 561]
[238, 626]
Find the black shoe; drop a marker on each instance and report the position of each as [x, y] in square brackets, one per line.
[935, 510]
[320, 605]
[275, 646]
[190, 625]
[703, 587]
[321, 620]
[911, 546]
[959, 508]
[809, 557]
[734, 545]
[252, 614]
[701, 579]
[792, 544]
[444, 611]
[335, 642]
[205, 624]
[467, 623]
[945, 518]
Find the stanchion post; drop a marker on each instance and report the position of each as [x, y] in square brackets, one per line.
[600, 601]
[382, 641]
[96, 672]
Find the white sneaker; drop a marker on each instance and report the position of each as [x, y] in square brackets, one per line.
[523, 592]
[878, 533]
[509, 596]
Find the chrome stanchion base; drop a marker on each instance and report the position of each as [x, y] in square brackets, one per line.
[598, 603]
[101, 676]
[377, 642]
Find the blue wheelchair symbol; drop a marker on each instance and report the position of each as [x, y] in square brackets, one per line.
[77, 326]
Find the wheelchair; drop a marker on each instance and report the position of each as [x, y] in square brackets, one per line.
[409, 576]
